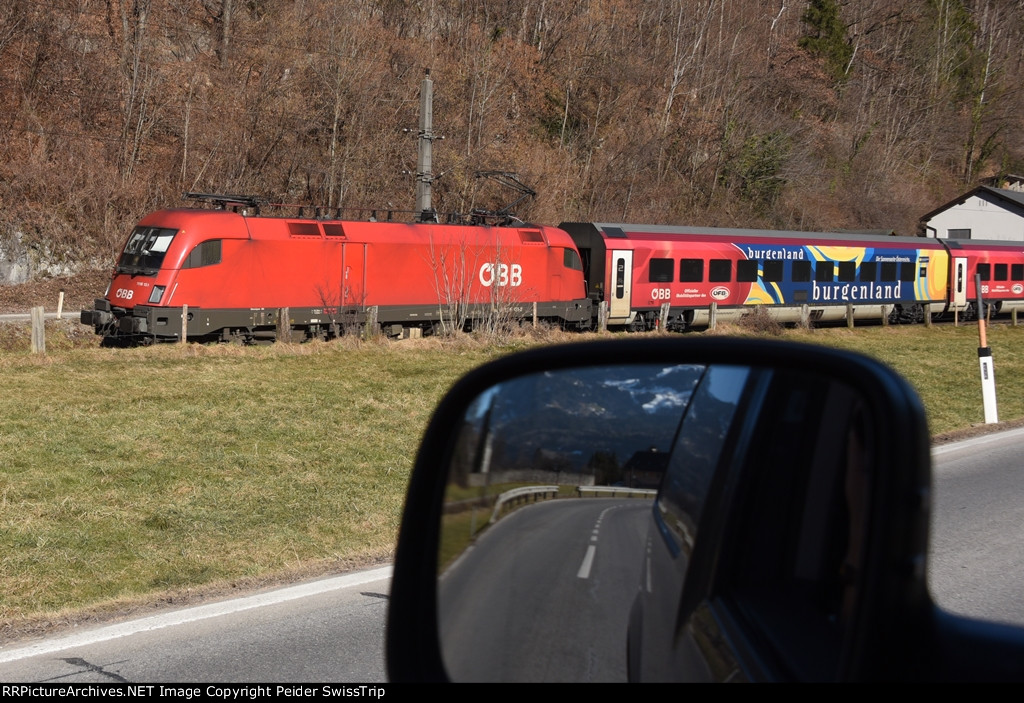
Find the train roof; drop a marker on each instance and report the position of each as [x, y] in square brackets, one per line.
[618, 230]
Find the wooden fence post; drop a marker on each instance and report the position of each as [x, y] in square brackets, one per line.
[370, 330]
[38, 331]
[284, 325]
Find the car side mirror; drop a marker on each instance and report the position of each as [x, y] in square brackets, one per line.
[671, 509]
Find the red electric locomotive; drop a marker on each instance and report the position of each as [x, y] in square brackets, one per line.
[229, 273]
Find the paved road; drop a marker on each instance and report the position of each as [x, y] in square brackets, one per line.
[27, 317]
[976, 561]
[331, 630]
[545, 594]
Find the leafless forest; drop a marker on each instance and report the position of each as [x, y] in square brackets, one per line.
[820, 114]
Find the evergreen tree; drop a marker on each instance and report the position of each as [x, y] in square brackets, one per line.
[828, 38]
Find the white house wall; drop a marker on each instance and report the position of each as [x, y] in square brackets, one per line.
[986, 219]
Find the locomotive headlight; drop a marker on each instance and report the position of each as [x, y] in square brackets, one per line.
[158, 292]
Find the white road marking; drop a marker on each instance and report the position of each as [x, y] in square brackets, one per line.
[200, 612]
[588, 561]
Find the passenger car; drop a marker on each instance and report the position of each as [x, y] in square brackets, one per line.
[787, 539]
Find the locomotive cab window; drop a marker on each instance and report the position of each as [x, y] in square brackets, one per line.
[204, 254]
[145, 250]
[660, 271]
[571, 260]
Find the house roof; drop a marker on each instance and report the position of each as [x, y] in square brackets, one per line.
[1013, 198]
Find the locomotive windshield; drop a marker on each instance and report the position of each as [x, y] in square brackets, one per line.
[145, 250]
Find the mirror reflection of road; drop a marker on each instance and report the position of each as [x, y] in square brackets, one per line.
[545, 593]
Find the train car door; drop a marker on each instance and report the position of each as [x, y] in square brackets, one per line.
[620, 286]
[959, 283]
[353, 274]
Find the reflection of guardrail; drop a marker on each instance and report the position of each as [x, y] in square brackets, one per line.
[522, 495]
[616, 491]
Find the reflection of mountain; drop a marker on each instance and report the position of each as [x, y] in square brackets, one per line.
[576, 413]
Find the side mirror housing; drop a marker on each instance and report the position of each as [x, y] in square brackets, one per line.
[688, 509]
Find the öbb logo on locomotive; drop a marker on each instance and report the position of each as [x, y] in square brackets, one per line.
[238, 264]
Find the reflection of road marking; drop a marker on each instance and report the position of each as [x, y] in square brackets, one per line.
[588, 558]
[588, 561]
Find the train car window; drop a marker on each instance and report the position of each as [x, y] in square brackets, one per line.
[1000, 272]
[660, 271]
[620, 278]
[889, 271]
[204, 254]
[304, 229]
[720, 270]
[985, 271]
[848, 271]
[802, 271]
[1017, 272]
[773, 270]
[868, 271]
[691, 270]
[908, 271]
[746, 270]
[825, 271]
[571, 260]
[334, 229]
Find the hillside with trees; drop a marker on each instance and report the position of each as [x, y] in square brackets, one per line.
[796, 114]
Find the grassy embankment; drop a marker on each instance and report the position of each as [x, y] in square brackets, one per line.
[129, 475]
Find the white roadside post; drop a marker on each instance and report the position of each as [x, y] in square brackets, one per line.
[988, 376]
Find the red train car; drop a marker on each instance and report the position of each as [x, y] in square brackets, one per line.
[1000, 267]
[230, 271]
[636, 269]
